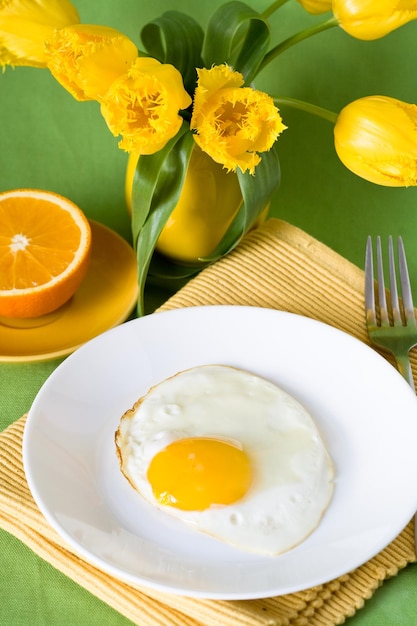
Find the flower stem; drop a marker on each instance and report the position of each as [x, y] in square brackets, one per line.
[330, 116]
[294, 39]
[274, 7]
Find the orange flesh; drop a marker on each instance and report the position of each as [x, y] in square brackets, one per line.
[45, 244]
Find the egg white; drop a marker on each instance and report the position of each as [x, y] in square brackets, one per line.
[293, 473]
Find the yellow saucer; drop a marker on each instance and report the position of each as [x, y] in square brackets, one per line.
[105, 299]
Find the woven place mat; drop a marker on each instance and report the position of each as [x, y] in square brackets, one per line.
[277, 266]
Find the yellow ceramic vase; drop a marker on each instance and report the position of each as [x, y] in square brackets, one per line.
[209, 200]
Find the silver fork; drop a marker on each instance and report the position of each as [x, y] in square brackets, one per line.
[393, 329]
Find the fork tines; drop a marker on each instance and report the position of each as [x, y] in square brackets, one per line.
[401, 314]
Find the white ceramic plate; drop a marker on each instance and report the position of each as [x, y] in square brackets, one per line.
[366, 412]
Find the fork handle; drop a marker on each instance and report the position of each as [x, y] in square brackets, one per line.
[404, 367]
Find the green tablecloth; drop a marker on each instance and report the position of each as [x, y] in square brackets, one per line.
[50, 141]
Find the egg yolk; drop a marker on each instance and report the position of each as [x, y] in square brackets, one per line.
[194, 473]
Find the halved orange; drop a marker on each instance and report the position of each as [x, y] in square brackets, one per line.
[45, 245]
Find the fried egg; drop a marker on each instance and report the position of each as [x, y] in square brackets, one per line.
[230, 454]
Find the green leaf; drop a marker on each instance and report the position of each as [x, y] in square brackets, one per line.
[145, 180]
[256, 192]
[161, 177]
[176, 38]
[239, 36]
[166, 270]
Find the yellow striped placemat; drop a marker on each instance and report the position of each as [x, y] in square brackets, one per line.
[277, 266]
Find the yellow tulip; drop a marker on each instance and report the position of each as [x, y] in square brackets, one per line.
[233, 124]
[376, 138]
[25, 25]
[86, 58]
[143, 106]
[316, 6]
[371, 19]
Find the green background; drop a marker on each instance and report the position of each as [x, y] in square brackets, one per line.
[50, 141]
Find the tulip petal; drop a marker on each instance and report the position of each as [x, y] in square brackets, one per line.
[372, 19]
[376, 138]
[25, 25]
[316, 7]
[86, 59]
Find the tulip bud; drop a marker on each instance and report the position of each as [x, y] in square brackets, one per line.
[315, 7]
[376, 138]
[372, 19]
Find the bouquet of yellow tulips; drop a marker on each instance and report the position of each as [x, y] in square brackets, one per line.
[184, 88]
